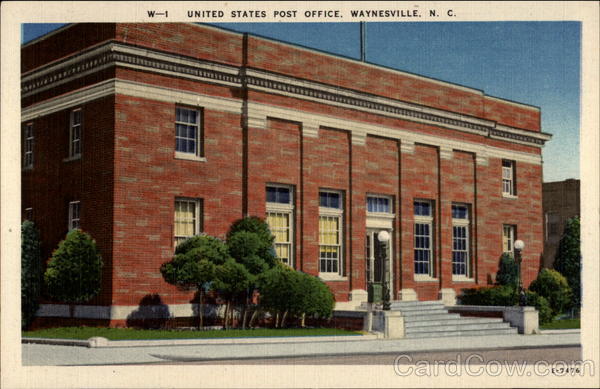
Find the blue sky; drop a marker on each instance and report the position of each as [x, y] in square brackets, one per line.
[536, 63]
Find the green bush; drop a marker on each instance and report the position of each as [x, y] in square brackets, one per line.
[74, 272]
[266, 239]
[31, 273]
[283, 289]
[206, 247]
[553, 286]
[508, 271]
[246, 248]
[542, 305]
[568, 258]
[504, 295]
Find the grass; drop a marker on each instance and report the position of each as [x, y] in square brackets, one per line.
[562, 324]
[137, 334]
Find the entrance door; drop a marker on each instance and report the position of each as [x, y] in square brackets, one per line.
[375, 262]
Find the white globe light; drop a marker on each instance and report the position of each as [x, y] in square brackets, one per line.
[519, 245]
[383, 236]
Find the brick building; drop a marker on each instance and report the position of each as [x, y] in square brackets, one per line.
[560, 200]
[143, 134]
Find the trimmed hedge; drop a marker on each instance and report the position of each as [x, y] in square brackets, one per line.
[553, 286]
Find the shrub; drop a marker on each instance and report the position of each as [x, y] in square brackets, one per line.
[553, 286]
[497, 295]
[508, 271]
[259, 227]
[246, 248]
[31, 273]
[194, 265]
[286, 290]
[74, 272]
[568, 258]
[541, 304]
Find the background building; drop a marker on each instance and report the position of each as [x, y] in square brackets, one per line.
[561, 202]
[145, 134]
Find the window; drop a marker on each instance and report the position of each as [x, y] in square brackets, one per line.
[508, 238]
[75, 133]
[74, 214]
[379, 204]
[28, 146]
[423, 234]
[508, 178]
[460, 240]
[330, 233]
[187, 219]
[280, 210]
[187, 131]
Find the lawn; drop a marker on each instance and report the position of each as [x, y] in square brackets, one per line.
[135, 334]
[561, 324]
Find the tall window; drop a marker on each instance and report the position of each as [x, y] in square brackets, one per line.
[74, 214]
[423, 246]
[508, 178]
[508, 238]
[460, 240]
[187, 219]
[280, 210]
[379, 204]
[28, 146]
[75, 133]
[330, 232]
[187, 131]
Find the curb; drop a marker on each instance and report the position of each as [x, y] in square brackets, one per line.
[100, 342]
[558, 332]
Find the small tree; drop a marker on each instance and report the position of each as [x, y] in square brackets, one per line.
[508, 271]
[317, 299]
[568, 258]
[231, 279]
[31, 273]
[265, 241]
[553, 286]
[74, 272]
[194, 266]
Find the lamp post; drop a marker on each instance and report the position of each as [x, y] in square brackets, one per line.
[519, 246]
[383, 236]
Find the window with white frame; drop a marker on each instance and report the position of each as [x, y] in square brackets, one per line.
[423, 238]
[76, 120]
[28, 145]
[379, 204]
[508, 178]
[188, 130]
[187, 222]
[460, 240]
[280, 210]
[508, 238]
[74, 214]
[330, 232]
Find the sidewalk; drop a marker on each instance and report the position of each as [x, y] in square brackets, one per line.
[37, 354]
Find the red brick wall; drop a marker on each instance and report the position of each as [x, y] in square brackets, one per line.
[148, 179]
[53, 183]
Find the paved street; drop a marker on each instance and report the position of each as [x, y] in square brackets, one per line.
[343, 350]
[530, 356]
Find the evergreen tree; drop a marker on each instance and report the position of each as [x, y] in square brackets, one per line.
[74, 273]
[31, 272]
[568, 258]
[508, 271]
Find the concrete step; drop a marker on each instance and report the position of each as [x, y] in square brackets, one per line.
[457, 327]
[428, 317]
[424, 312]
[452, 321]
[439, 334]
[402, 304]
[418, 308]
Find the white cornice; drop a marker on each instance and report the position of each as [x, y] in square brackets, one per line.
[259, 113]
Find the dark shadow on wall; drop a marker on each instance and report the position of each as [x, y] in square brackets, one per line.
[152, 313]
